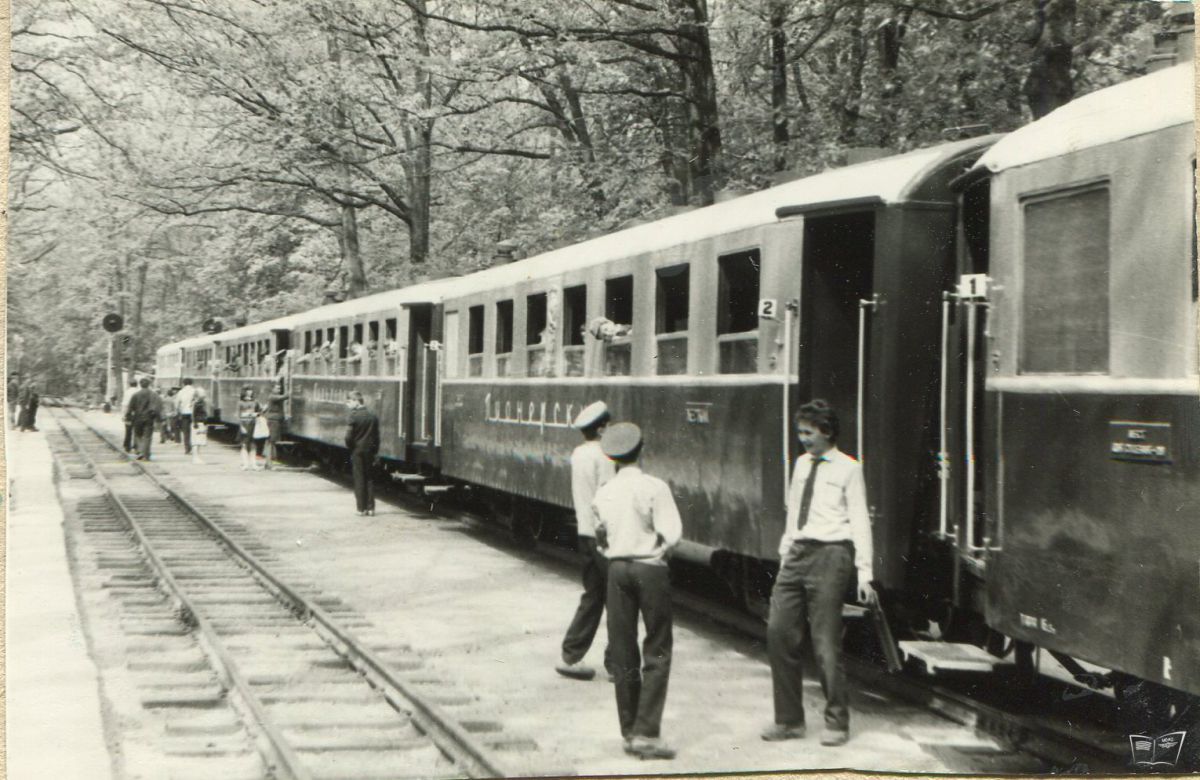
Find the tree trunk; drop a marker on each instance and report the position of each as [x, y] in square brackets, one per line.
[136, 342]
[779, 87]
[852, 99]
[1049, 84]
[420, 138]
[700, 85]
[356, 275]
[890, 41]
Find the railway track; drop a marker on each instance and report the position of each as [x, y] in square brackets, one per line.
[318, 701]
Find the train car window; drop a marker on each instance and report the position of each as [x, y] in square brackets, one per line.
[574, 326]
[618, 310]
[671, 305]
[475, 341]
[391, 347]
[737, 292]
[737, 312]
[374, 358]
[535, 318]
[1065, 283]
[343, 341]
[504, 335]
[671, 319]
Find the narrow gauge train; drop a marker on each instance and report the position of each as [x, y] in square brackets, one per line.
[1033, 477]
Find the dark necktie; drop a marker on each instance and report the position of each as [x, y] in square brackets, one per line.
[806, 496]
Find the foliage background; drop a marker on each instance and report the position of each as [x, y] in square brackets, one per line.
[176, 160]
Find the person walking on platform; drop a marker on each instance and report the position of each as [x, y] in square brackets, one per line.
[199, 418]
[29, 407]
[185, 405]
[590, 468]
[362, 439]
[170, 416]
[637, 524]
[275, 416]
[145, 407]
[827, 536]
[248, 410]
[129, 394]
[14, 399]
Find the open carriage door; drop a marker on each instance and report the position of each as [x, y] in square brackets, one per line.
[421, 333]
[837, 319]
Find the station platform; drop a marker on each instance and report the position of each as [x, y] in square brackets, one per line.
[478, 611]
[491, 617]
[53, 722]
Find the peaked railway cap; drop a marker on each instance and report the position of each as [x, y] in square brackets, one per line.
[621, 439]
[591, 414]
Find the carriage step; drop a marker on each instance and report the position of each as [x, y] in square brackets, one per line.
[438, 489]
[406, 478]
[951, 656]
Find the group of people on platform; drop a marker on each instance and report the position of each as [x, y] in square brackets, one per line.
[23, 401]
[181, 415]
[627, 525]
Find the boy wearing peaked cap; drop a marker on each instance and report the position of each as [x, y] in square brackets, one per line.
[590, 468]
[637, 523]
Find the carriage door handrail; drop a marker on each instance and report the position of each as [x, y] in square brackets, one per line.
[971, 293]
[949, 299]
[402, 374]
[438, 351]
[864, 304]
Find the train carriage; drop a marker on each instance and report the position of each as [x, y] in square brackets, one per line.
[379, 345]
[706, 329]
[1088, 536]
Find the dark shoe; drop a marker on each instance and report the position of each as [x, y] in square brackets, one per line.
[778, 732]
[359, 514]
[834, 737]
[576, 671]
[650, 748]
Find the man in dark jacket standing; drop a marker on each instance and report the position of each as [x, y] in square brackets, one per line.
[362, 439]
[145, 407]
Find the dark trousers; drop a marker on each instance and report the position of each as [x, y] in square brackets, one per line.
[641, 680]
[583, 626]
[143, 431]
[364, 490]
[185, 427]
[128, 436]
[807, 600]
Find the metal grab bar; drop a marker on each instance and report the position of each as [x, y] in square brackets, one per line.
[860, 426]
[943, 445]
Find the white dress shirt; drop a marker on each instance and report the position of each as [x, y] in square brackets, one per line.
[838, 508]
[185, 399]
[639, 517]
[590, 468]
[130, 392]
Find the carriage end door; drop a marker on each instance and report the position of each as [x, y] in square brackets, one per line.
[423, 374]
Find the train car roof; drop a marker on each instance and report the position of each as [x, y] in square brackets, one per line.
[422, 292]
[888, 180]
[1136, 107]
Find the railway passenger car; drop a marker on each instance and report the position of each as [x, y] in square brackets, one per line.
[379, 344]
[1085, 539]
[708, 328]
